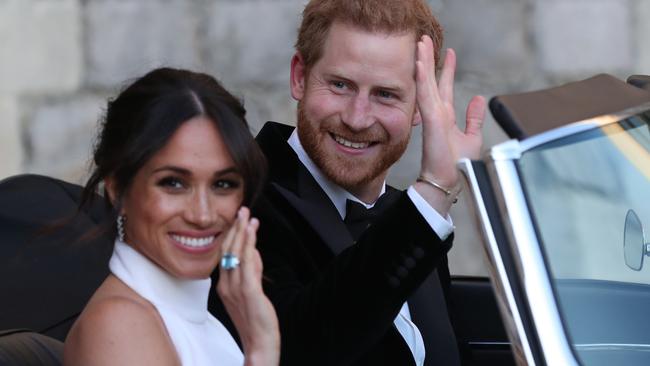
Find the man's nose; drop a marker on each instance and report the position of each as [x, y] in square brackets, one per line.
[357, 113]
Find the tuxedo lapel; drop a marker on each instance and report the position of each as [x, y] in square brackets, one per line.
[314, 205]
[292, 180]
[429, 312]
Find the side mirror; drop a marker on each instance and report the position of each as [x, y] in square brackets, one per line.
[634, 245]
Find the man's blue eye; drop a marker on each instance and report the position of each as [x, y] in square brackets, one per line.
[385, 94]
[339, 84]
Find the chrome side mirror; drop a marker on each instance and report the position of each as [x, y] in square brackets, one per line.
[634, 244]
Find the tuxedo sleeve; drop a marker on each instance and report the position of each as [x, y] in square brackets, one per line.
[339, 313]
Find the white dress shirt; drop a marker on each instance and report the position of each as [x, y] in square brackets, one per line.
[441, 226]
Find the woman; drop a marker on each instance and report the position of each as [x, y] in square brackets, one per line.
[177, 162]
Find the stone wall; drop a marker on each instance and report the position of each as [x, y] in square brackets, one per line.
[61, 59]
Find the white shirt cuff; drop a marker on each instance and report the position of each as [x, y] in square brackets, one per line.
[443, 226]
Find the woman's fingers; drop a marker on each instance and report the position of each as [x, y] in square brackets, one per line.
[251, 275]
[241, 291]
[227, 241]
[234, 275]
[229, 278]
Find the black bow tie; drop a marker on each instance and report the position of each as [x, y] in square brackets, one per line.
[358, 218]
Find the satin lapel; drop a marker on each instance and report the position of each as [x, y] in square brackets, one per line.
[429, 312]
[292, 180]
[314, 205]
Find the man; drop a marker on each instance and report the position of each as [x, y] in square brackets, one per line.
[351, 291]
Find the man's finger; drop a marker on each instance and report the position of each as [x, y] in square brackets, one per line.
[475, 116]
[426, 85]
[446, 84]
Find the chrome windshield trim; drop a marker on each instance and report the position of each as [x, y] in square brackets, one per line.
[527, 254]
[580, 126]
[612, 347]
[508, 150]
[498, 275]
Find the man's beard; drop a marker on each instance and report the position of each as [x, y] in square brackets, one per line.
[348, 172]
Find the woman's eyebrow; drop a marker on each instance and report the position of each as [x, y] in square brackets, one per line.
[225, 171]
[184, 171]
[175, 169]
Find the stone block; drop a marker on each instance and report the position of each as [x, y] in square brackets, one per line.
[642, 45]
[268, 104]
[40, 46]
[251, 41]
[490, 38]
[11, 147]
[125, 39]
[60, 133]
[581, 37]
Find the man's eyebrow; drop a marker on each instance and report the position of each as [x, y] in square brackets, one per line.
[337, 75]
[391, 88]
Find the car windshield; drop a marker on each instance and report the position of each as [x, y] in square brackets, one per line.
[583, 191]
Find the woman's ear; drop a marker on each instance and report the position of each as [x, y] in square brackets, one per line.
[111, 191]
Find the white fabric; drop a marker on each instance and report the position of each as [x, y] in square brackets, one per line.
[441, 226]
[407, 329]
[199, 338]
[411, 334]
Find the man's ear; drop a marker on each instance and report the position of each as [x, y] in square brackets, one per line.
[298, 76]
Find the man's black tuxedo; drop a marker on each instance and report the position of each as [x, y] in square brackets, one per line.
[336, 300]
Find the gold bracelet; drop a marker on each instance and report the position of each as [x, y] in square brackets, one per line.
[432, 183]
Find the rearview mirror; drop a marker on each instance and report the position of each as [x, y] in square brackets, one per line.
[634, 245]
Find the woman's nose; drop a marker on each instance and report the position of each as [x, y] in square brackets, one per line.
[201, 211]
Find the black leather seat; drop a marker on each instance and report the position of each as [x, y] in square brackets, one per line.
[49, 266]
[26, 348]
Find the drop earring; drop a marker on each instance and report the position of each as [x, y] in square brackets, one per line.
[121, 219]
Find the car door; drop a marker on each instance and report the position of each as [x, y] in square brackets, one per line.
[562, 215]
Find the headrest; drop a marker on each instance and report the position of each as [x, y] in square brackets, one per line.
[640, 81]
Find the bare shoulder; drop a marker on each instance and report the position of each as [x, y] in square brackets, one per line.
[118, 327]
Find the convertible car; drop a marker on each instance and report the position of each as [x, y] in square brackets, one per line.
[562, 208]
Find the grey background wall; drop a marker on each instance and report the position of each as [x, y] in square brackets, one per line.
[61, 59]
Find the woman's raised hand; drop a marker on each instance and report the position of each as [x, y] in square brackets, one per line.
[240, 289]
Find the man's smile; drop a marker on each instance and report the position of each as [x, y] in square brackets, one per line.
[351, 144]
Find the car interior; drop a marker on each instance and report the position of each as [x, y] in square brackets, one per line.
[51, 265]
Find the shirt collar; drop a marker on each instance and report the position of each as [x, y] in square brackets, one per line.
[336, 194]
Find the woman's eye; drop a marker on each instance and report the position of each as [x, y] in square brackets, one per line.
[226, 184]
[171, 182]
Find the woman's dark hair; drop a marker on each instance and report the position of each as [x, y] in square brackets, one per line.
[144, 116]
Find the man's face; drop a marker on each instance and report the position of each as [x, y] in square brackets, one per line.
[356, 104]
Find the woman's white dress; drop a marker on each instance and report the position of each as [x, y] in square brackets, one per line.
[200, 339]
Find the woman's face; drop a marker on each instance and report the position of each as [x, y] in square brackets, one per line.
[183, 200]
